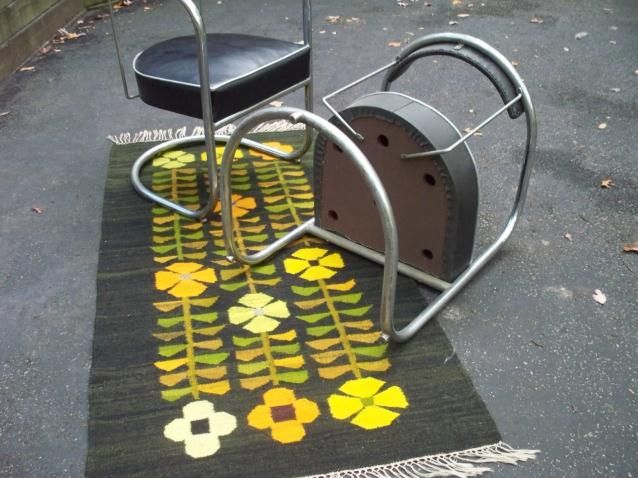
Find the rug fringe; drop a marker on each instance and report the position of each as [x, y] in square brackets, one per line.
[460, 464]
[155, 135]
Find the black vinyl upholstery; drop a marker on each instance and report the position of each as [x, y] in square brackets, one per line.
[244, 70]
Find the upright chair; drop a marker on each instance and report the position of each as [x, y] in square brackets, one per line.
[217, 77]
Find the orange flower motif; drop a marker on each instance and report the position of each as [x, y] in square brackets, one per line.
[284, 414]
[284, 148]
[185, 279]
[241, 205]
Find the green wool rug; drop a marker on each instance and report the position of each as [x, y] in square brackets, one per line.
[203, 367]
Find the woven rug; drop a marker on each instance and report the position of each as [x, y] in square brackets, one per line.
[202, 367]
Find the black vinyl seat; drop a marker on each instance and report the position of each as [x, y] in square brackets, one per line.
[218, 77]
[244, 70]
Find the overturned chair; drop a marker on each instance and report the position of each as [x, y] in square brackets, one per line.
[218, 77]
[386, 155]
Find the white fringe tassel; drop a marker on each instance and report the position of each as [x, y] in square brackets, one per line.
[155, 135]
[460, 464]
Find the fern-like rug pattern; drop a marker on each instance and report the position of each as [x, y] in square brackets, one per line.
[203, 367]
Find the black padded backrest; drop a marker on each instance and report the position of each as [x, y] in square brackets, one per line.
[466, 53]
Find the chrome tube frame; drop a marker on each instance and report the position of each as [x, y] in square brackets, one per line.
[384, 208]
[390, 258]
[209, 125]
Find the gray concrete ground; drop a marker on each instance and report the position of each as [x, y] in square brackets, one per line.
[556, 369]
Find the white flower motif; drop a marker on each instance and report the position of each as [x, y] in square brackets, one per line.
[200, 428]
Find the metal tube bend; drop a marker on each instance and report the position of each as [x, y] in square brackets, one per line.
[372, 180]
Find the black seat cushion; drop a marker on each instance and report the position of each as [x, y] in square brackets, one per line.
[244, 70]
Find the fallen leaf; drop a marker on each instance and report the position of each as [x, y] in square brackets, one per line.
[612, 42]
[27, 68]
[37, 210]
[633, 247]
[394, 44]
[147, 9]
[463, 15]
[613, 27]
[536, 20]
[614, 90]
[64, 34]
[453, 22]
[402, 4]
[276, 104]
[565, 48]
[568, 236]
[45, 50]
[606, 183]
[580, 35]
[321, 32]
[355, 20]
[602, 126]
[514, 63]
[607, 10]
[599, 297]
[333, 18]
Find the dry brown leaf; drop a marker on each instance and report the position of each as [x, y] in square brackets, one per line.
[27, 68]
[633, 247]
[394, 44]
[599, 297]
[568, 236]
[45, 50]
[606, 183]
[37, 210]
[602, 126]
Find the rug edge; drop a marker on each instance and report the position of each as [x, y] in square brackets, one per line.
[167, 134]
[461, 464]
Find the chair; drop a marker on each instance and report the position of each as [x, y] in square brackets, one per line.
[243, 73]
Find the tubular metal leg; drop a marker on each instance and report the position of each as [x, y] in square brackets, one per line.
[390, 257]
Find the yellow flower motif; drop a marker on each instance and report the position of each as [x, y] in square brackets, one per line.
[313, 263]
[284, 414]
[173, 159]
[200, 428]
[185, 279]
[220, 152]
[369, 406]
[285, 148]
[259, 313]
[241, 205]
